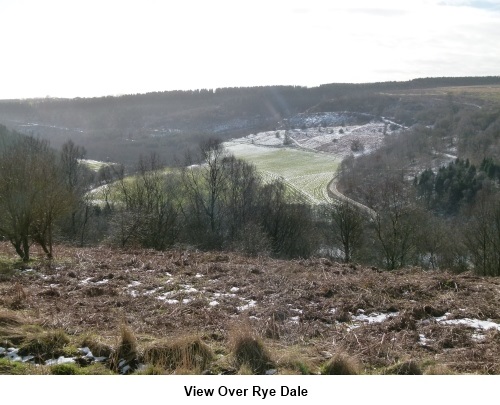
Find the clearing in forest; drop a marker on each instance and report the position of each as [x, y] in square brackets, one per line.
[306, 172]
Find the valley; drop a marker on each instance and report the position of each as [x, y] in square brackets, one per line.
[149, 249]
[307, 159]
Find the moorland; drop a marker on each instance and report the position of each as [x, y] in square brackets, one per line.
[342, 229]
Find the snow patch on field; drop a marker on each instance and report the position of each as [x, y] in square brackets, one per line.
[268, 138]
[374, 317]
[333, 133]
[471, 323]
[249, 304]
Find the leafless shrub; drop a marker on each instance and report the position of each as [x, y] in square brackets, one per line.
[272, 328]
[454, 337]
[404, 321]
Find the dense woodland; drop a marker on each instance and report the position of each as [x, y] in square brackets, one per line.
[431, 193]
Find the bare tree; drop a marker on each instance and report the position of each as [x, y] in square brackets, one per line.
[72, 170]
[289, 226]
[347, 222]
[241, 196]
[32, 195]
[205, 188]
[396, 223]
[77, 180]
[483, 236]
[149, 209]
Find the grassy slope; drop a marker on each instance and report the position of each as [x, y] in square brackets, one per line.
[307, 172]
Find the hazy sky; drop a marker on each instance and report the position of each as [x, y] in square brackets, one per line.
[85, 48]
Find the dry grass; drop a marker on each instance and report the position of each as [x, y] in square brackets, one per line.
[304, 307]
[249, 351]
[126, 349]
[438, 369]
[10, 318]
[405, 368]
[186, 355]
[11, 328]
[296, 359]
[341, 364]
[16, 297]
[97, 346]
[46, 345]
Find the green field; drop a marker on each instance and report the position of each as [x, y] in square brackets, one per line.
[94, 165]
[306, 172]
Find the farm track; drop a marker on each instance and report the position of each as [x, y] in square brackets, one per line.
[333, 192]
[325, 194]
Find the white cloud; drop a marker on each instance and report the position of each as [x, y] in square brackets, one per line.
[97, 47]
[481, 4]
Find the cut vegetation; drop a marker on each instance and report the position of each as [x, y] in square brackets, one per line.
[147, 312]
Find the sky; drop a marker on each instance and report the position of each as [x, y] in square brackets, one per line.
[92, 48]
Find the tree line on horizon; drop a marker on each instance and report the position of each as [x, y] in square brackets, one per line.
[118, 129]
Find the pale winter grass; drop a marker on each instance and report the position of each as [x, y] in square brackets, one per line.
[288, 306]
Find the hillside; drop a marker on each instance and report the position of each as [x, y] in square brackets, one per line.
[415, 171]
[305, 312]
[119, 129]
[421, 157]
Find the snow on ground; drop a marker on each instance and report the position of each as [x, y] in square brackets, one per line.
[335, 139]
[356, 321]
[341, 141]
[60, 360]
[378, 317]
[268, 138]
[249, 304]
[472, 323]
[375, 317]
[277, 154]
[478, 325]
[423, 341]
[94, 165]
